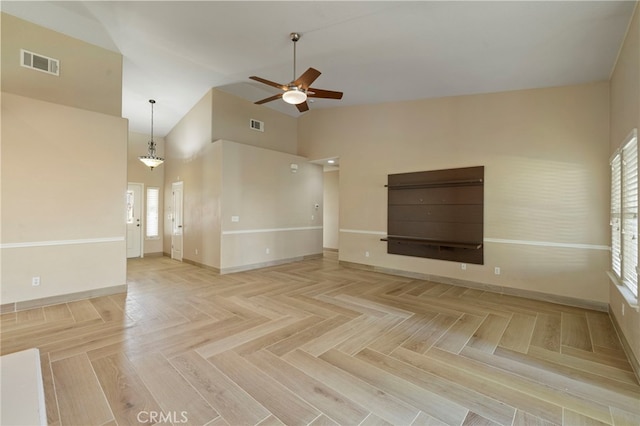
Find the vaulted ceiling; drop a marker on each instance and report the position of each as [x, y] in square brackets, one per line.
[373, 51]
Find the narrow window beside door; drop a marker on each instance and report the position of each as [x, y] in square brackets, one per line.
[153, 201]
[130, 203]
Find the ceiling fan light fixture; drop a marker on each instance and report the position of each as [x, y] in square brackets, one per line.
[294, 96]
[299, 89]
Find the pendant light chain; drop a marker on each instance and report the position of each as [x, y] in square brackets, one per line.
[152, 144]
[152, 102]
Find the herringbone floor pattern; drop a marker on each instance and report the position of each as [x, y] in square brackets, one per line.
[315, 343]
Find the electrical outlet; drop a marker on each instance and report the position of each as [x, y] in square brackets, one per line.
[496, 270]
[196, 252]
[366, 254]
[463, 266]
[267, 251]
[35, 281]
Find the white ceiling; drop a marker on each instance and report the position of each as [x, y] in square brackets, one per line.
[373, 51]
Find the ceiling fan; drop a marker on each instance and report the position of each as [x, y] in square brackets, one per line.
[300, 89]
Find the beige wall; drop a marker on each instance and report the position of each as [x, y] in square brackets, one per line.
[331, 213]
[625, 116]
[231, 116]
[137, 172]
[201, 179]
[62, 211]
[185, 146]
[279, 212]
[545, 153]
[546, 180]
[90, 76]
[211, 205]
[251, 180]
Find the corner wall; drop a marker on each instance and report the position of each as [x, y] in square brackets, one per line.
[251, 180]
[62, 212]
[269, 213]
[230, 121]
[625, 116]
[545, 154]
[63, 170]
[331, 228]
[187, 146]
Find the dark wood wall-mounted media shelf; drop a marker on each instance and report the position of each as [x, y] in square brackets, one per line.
[437, 214]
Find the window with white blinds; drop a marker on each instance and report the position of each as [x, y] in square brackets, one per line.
[153, 207]
[624, 214]
[616, 214]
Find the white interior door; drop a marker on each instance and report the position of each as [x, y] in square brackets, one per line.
[176, 220]
[134, 219]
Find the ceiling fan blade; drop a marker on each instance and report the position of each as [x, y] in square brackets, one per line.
[268, 82]
[320, 93]
[307, 78]
[269, 99]
[302, 107]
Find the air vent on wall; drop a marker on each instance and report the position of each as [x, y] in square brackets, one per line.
[256, 125]
[39, 62]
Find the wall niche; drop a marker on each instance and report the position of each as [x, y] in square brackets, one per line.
[437, 214]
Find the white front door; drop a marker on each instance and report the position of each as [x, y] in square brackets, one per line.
[134, 220]
[176, 220]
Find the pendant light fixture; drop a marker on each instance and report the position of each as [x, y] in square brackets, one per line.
[151, 160]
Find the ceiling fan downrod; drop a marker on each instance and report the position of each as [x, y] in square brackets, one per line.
[294, 38]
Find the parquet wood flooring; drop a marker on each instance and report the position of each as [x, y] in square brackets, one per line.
[317, 343]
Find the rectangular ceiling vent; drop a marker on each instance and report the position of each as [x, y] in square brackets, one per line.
[256, 125]
[39, 62]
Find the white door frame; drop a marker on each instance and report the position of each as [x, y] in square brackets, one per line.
[177, 220]
[140, 220]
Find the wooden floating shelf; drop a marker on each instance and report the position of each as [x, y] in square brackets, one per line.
[436, 184]
[430, 242]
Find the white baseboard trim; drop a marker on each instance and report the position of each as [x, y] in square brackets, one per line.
[635, 363]
[62, 298]
[529, 294]
[261, 265]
